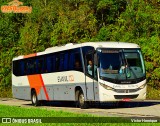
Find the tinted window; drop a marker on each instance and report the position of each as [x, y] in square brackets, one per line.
[16, 68]
[61, 64]
[65, 62]
[40, 65]
[50, 63]
[75, 61]
[56, 62]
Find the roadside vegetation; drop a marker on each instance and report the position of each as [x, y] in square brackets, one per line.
[57, 22]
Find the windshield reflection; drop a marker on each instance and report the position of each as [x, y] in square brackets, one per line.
[121, 64]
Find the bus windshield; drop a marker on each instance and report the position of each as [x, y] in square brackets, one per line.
[120, 64]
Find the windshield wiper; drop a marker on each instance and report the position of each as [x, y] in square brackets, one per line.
[125, 63]
[127, 66]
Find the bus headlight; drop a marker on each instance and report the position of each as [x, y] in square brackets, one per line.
[106, 86]
[141, 87]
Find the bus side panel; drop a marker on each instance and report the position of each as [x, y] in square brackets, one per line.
[21, 92]
[96, 90]
[61, 92]
[52, 87]
[58, 92]
[20, 87]
[90, 88]
[44, 94]
[61, 85]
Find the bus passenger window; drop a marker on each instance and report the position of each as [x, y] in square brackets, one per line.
[61, 66]
[57, 68]
[16, 68]
[50, 64]
[65, 61]
[90, 67]
[40, 66]
[71, 61]
[21, 68]
[32, 67]
[78, 66]
[89, 64]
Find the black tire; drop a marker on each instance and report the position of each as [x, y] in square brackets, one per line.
[34, 98]
[81, 101]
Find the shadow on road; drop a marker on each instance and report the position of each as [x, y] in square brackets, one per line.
[104, 105]
[121, 104]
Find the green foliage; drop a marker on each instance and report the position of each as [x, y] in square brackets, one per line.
[73, 25]
[59, 22]
[103, 34]
[151, 50]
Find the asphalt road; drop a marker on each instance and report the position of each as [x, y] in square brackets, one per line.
[147, 108]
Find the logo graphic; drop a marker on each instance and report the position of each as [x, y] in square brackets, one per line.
[15, 6]
[6, 120]
[71, 78]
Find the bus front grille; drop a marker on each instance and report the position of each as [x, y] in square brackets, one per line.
[125, 96]
[126, 90]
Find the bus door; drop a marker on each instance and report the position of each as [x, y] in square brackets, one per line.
[89, 75]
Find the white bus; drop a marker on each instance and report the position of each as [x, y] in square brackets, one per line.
[84, 73]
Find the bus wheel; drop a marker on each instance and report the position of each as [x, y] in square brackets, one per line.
[34, 98]
[82, 103]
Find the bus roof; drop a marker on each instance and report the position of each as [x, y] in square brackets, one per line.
[72, 46]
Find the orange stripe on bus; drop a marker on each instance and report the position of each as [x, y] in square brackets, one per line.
[30, 55]
[44, 88]
[37, 83]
